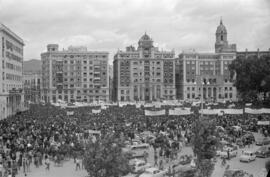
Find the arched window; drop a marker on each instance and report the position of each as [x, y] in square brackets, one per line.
[221, 37]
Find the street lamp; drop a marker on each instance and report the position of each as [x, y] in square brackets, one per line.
[203, 82]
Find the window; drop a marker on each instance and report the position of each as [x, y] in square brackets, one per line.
[188, 95]
[122, 91]
[221, 37]
[188, 88]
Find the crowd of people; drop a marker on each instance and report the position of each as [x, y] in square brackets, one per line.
[45, 133]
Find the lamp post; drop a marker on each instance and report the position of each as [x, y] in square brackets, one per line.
[203, 82]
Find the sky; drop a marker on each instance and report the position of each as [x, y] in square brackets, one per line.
[109, 25]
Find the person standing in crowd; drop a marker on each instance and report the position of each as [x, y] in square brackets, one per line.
[77, 164]
[156, 158]
[145, 156]
[47, 163]
[161, 166]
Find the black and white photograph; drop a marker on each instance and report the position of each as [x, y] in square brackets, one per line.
[134, 88]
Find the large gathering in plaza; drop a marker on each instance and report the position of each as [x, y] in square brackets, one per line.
[148, 112]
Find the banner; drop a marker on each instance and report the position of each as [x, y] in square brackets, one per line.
[138, 105]
[263, 123]
[96, 111]
[148, 105]
[70, 113]
[103, 107]
[157, 105]
[154, 113]
[232, 111]
[179, 112]
[258, 111]
[210, 111]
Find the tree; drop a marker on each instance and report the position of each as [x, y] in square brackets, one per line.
[252, 76]
[105, 158]
[205, 142]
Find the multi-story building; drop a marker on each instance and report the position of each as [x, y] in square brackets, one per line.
[32, 87]
[207, 74]
[74, 75]
[257, 53]
[11, 64]
[110, 82]
[144, 74]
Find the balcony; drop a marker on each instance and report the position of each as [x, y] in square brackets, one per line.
[15, 91]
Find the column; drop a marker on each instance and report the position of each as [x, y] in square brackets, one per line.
[150, 90]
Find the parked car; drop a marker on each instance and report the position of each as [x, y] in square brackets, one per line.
[186, 163]
[153, 172]
[232, 152]
[263, 141]
[139, 166]
[248, 156]
[236, 172]
[263, 152]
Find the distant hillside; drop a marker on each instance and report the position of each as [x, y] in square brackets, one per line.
[32, 65]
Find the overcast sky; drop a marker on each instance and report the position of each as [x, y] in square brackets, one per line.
[109, 25]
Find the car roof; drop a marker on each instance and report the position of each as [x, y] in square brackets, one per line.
[136, 161]
[152, 169]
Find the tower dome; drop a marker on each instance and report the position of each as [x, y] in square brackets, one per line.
[145, 42]
[221, 28]
[145, 37]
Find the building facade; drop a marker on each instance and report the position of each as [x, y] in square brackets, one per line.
[32, 87]
[11, 64]
[257, 53]
[74, 75]
[207, 74]
[144, 74]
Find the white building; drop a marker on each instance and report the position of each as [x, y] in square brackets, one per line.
[11, 64]
[74, 75]
[144, 74]
[207, 74]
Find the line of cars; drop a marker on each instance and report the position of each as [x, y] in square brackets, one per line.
[138, 151]
[246, 156]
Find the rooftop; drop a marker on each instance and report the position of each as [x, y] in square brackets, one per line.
[7, 30]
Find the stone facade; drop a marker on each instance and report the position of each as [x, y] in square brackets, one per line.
[32, 87]
[74, 75]
[144, 74]
[207, 74]
[11, 64]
